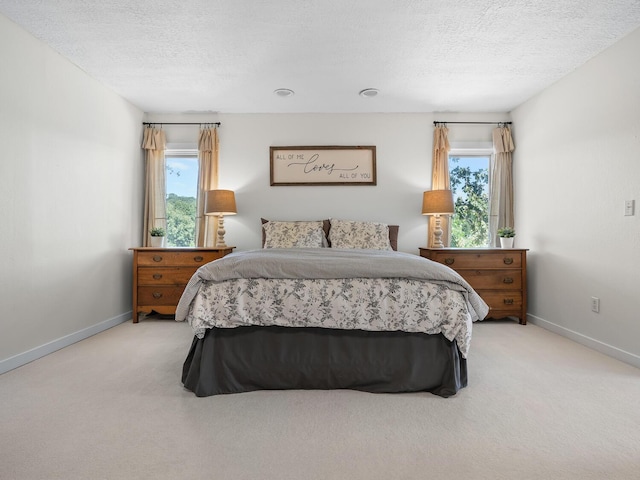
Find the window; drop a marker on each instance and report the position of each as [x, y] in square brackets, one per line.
[182, 191]
[470, 185]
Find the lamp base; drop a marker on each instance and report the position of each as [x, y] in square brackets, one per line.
[220, 240]
[437, 234]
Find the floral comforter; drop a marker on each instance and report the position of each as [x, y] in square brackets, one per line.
[332, 288]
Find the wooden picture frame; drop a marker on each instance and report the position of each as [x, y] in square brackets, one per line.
[323, 165]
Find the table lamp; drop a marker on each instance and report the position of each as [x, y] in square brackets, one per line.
[220, 203]
[437, 203]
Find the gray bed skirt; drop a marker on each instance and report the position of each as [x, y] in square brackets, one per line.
[253, 358]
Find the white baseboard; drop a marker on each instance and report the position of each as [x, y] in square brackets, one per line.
[597, 345]
[39, 352]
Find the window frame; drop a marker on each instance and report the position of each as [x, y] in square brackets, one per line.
[183, 150]
[474, 149]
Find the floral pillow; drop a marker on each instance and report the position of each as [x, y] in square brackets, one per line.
[293, 235]
[365, 235]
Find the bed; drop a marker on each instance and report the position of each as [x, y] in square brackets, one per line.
[325, 313]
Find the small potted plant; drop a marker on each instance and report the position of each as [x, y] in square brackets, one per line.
[157, 236]
[506, 235]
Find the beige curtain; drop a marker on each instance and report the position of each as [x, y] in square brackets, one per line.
[206, 226]
[440, 178]
[501, 183]
[153, 144]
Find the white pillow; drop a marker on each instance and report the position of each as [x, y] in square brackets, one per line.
[294, 235]
[365, 235]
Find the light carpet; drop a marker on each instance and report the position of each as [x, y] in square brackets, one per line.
[538, 406]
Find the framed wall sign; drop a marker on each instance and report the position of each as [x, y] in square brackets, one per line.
[323, 165]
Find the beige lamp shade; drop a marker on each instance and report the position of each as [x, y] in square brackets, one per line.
[437, 202]
[220, 202]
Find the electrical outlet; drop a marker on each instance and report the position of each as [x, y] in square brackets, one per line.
[629, 208]
[595, 304]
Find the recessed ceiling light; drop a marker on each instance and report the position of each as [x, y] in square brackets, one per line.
[283, 92]
[369, 92]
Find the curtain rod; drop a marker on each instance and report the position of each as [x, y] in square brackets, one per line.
[476, 123]
[181, 123]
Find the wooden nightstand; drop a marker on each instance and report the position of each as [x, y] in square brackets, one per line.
[161, 274]
[498, 275]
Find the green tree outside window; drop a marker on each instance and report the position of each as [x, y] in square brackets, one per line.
[181, 221]
[470, 223]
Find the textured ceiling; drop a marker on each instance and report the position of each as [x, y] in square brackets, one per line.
[230, 55]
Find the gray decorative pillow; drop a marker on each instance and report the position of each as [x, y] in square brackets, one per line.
[365, 235]
[294, 235]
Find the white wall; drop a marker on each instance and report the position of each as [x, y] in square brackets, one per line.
[403, 150]
[70, 177]
[577, 160]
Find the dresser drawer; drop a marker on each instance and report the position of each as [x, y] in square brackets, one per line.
[511, 301]
[176, 258]
[458, 260]
[492, 279]
[160, 295]
[164, 275]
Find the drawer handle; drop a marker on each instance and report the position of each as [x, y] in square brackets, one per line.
[157, 258]
[157, 276]
[507, 280]
[198, 258]
[157, 295]
[507, 260]
[508, 301]
[449, 261]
